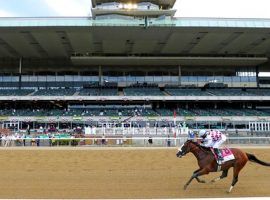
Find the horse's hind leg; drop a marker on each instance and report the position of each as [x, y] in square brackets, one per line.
[236, 171]
[223, 175]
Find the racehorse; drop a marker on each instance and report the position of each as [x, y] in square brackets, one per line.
[207, 163]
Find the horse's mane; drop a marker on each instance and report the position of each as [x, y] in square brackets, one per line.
[200, 146]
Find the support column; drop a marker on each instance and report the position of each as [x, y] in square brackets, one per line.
[179, 75]
[257, 76]
[20, 73]
[100, 75]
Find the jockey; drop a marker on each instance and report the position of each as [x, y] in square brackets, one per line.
[214, 139]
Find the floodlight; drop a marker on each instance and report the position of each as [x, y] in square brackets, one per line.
[135, 6]
[128, 6]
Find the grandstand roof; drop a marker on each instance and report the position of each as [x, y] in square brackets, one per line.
[137, 13]
[164, 3]
[124, 38]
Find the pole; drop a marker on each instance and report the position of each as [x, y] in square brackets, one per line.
[20, 73]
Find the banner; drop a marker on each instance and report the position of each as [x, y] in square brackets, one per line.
[3, 118]
[115, 118]
[77, 118]
[189, 118]
[152, 118]
[40, 119]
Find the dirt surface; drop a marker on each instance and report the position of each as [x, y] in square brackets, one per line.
[151, 173]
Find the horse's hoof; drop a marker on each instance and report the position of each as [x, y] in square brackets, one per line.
[228, 192]
[202, 181]
[185, 187]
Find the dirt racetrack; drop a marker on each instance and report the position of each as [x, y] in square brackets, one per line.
[129, 173]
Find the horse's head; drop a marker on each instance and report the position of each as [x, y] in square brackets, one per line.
[184, 149]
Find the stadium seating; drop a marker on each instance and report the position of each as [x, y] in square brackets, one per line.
[259, 92]
[132, 111]
[98, 92]
[143, 91]
[54, 92]
[230, 92]
[15, 92]
[88, 92]
[186, 92]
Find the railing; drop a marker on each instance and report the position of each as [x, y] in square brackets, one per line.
[125, 141]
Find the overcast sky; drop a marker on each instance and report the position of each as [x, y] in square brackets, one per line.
[185, 8]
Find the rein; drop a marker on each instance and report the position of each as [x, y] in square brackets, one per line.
[200, 147]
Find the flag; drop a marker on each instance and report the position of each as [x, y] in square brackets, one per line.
[174, 118]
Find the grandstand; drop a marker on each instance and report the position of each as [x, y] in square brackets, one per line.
[134, 65]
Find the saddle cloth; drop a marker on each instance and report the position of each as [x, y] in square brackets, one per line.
[226, 154]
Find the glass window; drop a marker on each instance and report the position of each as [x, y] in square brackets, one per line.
[219, 78]
[192, 79]
[222, 23]
[131, 79]
[122, 78]
[86, 78]
[140, 78]
[33, 78]
[51, 78]
[6, 78]
[59, 78]
[68, 78]
[112, 79]
[77, 78]
[174, 79]
[235, 79]
[95, 78]
[25, 78]
[149, 78]
[166, 78]
[15, 78]
[41, 78]
[244, 79]
[252, 78]
[157, 78]
[184, 79]
[213, 23]
[202, 78]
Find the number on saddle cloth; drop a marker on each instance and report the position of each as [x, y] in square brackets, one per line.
[227, 154]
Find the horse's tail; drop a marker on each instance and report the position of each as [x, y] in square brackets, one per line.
[253, 158]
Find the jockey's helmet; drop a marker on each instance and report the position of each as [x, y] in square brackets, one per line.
[202, 133]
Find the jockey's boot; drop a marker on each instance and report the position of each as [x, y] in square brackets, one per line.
[218, 153]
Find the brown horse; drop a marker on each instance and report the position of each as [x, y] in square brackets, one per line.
[207, 162]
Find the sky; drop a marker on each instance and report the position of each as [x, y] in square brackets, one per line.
[185, 8]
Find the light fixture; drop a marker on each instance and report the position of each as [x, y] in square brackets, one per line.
[121, 6]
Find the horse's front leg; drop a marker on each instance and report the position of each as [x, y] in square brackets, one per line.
[195, 175]
[197, 178]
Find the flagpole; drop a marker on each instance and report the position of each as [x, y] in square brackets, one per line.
[174, 121]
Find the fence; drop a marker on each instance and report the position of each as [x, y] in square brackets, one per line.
[125, 141]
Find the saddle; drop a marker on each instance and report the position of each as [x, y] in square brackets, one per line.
[226, 154]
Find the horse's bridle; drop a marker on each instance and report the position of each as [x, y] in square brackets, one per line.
[182, 152]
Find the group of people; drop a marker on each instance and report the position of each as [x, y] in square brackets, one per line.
[212, 139]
